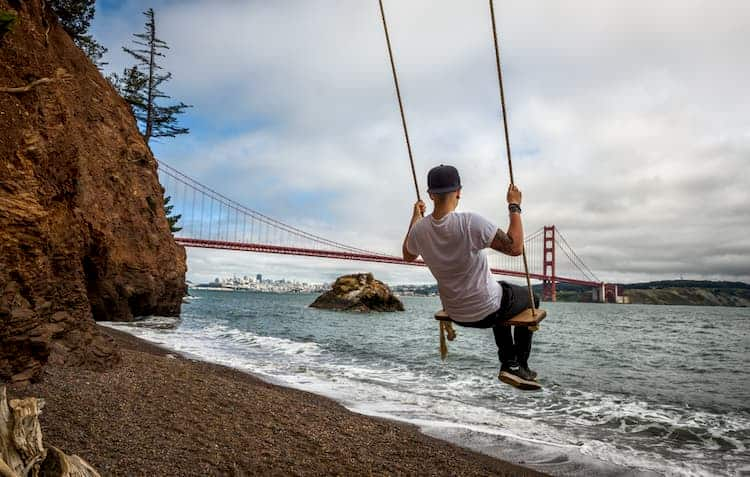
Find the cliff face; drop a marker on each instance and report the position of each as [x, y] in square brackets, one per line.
[83, 235]
[358, 292]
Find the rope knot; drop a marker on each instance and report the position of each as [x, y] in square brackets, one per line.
[446, 331]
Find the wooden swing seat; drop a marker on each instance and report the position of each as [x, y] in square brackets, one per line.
[518, 382]
[524, 318]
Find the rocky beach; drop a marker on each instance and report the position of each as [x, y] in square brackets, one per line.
[157, 413]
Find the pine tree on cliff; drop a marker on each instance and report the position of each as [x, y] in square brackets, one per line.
[172, 219]
[140, 85]
[130, 86]
[75, 17]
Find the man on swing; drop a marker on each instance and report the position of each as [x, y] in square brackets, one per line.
[451, 245]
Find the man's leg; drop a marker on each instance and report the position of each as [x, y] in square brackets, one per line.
[518, 301]
[503, 338]
[506, 351]
[522, 337]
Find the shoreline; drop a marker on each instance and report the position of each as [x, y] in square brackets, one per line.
[160, 413]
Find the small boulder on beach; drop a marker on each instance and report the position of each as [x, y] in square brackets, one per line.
[358, 292]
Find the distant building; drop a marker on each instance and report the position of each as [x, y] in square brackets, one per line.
[610, 293]
[259, 278]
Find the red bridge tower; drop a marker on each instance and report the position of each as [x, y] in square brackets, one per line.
[548, 288]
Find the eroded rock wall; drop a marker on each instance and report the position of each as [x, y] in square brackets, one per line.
[83, 235]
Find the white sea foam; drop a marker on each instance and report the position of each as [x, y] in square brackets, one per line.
[398, 391]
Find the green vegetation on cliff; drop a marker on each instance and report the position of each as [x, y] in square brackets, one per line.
[75, 17]
[7, 19]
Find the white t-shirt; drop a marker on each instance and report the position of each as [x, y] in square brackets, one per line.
[453, 249]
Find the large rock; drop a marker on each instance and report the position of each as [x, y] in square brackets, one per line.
[359, 292]
[83, 235]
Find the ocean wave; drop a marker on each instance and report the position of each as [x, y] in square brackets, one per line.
[460, 399]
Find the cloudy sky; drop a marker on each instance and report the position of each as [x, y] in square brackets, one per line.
[628, 119]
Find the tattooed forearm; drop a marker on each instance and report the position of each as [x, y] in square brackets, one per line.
[503, 243]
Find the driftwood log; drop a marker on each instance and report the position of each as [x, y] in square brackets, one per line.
[22, 452]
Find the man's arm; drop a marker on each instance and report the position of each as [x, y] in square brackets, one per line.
[418, 213]
[511, 243]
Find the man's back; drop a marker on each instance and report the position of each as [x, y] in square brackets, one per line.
[452, 247]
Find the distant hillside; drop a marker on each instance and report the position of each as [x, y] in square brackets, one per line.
[668, 292]
[418, 290]
[663, 292]
[688, 284]
[689, 292]
[690, 296]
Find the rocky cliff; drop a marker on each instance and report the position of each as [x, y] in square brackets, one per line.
[358, 292]
[83, 235]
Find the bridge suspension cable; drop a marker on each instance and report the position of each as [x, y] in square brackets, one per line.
[242, 215]
[574, 258]
[210, 219]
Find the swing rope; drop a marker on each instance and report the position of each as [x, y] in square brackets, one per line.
[446, 328]
[398, 95]
[507, 141]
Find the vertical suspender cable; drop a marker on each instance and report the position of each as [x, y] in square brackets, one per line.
[398, 95]
[507, 141]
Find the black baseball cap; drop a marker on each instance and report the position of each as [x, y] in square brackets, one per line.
[442, 179]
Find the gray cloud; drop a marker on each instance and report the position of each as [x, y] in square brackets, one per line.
[628, 121]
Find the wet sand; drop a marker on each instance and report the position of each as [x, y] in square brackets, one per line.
[160, 414]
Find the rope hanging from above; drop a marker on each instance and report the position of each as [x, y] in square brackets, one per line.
[507, 141]
[447, 333]
[398, 95]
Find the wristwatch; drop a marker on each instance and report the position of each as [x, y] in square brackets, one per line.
[514, 208]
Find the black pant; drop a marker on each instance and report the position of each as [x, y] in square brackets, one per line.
[512, 349]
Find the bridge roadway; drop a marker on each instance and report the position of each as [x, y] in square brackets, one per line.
[342, 255]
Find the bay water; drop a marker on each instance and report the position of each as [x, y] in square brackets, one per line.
[628, 389]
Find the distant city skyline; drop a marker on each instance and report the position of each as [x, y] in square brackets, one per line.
[260, 284]
[208, 278]
[258, 278]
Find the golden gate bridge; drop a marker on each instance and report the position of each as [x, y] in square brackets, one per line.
[211, 220]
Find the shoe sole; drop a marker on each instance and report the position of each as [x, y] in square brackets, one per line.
[518, 382]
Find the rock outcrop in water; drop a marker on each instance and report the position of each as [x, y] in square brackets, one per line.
[83, 234]
[359, 292]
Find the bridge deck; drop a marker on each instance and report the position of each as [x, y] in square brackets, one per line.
[345, 255]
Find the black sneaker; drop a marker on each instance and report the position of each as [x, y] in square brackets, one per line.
[521, 371]
[530, 372]
[518, 377]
